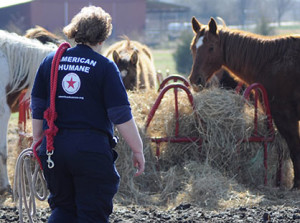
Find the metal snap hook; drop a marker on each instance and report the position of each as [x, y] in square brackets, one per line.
[49, 160]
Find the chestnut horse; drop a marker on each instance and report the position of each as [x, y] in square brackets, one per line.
[272, 61]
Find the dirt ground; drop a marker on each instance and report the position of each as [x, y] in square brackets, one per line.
[183, 213]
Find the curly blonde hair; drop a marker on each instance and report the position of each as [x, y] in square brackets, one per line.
[91, 25]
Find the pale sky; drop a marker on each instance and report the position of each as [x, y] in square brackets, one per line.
[6, 3]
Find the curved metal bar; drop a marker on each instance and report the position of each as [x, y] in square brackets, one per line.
[259, 87]
[175, 78]
[161, 95]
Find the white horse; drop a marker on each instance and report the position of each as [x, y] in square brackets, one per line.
[20, 58]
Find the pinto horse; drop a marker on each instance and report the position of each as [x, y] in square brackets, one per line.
[20, 58]
[44, 36]
[272, 61]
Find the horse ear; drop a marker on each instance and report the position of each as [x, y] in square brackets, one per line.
[196, 25]
[212, 26]
[116, 56]
[134, 58]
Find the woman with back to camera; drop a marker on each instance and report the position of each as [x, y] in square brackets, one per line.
[90, 100]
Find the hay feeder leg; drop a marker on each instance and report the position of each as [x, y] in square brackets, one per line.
[260, 93]
[24, 115]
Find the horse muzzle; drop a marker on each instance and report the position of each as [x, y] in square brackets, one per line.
[196, 87]
[196, 83]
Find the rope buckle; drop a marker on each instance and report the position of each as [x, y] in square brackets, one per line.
[49, 160]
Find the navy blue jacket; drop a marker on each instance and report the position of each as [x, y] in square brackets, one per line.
[90, 92]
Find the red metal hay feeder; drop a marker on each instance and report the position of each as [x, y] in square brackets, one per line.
[258, 91]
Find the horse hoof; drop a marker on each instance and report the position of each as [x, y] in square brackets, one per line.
[296, 187]
[6, 191]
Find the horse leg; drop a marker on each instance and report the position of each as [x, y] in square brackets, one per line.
[289, 128]
[4, 118]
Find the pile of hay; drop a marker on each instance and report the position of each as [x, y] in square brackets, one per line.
[220, 173]
[204, 175]
[227, 120]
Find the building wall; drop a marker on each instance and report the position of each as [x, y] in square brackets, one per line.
[128, 16]
[142, 20]
[15, 19]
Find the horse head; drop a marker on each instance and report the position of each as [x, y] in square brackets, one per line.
[206, 51]
[127, 65]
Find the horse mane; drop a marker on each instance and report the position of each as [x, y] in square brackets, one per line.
[43, 35]
[256, 49]
[127, 43]
[222, 21]
[128, 46]
[24, 57]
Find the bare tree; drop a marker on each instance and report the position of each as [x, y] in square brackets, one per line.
[204, 9]
[242, 5]
[281, 7]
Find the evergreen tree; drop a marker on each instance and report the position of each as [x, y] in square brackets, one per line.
[182, 55]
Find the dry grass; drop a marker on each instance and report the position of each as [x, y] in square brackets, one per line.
[224, 172]
[216, 175]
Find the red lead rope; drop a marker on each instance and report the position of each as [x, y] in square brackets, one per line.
[50, 114]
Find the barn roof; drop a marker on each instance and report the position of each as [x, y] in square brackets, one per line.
[153, 6]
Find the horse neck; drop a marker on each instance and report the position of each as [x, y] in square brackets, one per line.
[245, 54]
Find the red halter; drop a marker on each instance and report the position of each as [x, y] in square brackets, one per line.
[50, 114]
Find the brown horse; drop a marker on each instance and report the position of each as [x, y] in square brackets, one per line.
[272, 61]
[43, 35]
[135, 62]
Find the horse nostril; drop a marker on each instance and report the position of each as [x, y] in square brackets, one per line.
[199, 81]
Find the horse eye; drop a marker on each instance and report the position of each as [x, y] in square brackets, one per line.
[210, 49]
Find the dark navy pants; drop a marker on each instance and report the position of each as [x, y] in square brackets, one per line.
[84, 179]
